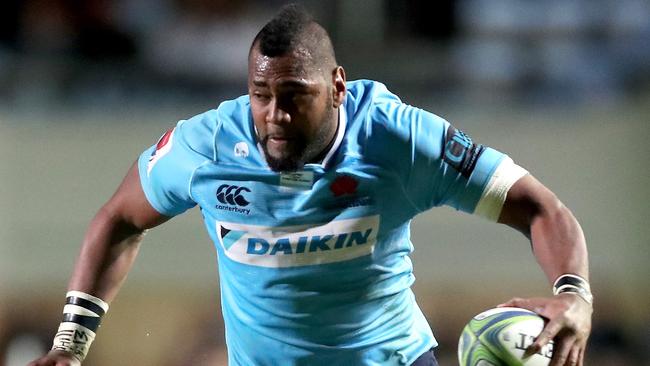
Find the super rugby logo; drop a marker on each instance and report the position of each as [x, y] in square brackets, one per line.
[300, 245]
[163, 146]
[461, 152]
[232, 195]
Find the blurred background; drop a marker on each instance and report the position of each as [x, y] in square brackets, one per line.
[563, 86]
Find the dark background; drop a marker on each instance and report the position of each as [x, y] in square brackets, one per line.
[563, 86]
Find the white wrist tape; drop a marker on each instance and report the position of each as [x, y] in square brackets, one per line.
[574, 284]
[81, 318]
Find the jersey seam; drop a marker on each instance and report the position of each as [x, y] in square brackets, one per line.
[374, 105]
[410, 171]
[214, 159]
[191, 181]
[412, 151]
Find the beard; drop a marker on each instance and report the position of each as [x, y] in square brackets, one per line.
[291, 159]
[300, 151]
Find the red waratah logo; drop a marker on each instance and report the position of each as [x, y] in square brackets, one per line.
[344, 185]
[163, 146]
[164, 139]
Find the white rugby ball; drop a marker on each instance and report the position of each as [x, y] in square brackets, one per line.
[499, 337]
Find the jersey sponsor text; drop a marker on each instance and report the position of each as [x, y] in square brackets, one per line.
[301, 245]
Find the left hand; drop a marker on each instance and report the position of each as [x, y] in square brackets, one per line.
[569, 324]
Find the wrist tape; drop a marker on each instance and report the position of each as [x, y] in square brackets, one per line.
[82, 315]
[573, 284]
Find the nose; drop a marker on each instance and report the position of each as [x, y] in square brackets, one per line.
[276, 114]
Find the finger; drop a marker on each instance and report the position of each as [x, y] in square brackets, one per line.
[548, 333]
[561, 351]
[581, 357]
[510, 303]
[574, 355]
[529, 304]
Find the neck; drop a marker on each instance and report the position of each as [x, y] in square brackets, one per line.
[319, 158]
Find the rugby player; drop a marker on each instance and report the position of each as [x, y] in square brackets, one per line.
[307, 186]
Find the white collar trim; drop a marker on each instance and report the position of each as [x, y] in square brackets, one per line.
[343, 121]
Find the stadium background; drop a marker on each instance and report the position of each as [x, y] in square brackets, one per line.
[563, 86]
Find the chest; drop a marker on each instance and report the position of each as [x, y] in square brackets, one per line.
[313, 195]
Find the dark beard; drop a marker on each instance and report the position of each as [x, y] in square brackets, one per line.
[289, 163]
[301, 153]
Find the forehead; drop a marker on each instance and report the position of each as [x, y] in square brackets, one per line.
[297, 64]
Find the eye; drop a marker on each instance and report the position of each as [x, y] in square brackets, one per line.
[262, 97]
[302, 95]
[298, 95]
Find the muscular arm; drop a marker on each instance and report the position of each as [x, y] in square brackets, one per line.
[556, 237]
[559, 247]
[113, 238]
[109, 249]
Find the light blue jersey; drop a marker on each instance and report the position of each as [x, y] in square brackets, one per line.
[314, 264]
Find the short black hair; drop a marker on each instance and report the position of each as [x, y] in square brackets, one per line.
[293, 27]
[282, 33]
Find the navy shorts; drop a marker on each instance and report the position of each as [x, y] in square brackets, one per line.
[426, 359]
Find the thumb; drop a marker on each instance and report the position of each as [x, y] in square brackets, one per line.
[534, 305]
[515, 302]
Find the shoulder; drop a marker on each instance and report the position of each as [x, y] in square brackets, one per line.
[379, 108]
[201, 132]
[367, 103]
[365, 93]
[234, 109]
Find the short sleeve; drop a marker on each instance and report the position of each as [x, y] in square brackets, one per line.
[167, 168]
[438, 164]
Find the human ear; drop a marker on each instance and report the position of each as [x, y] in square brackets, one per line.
[338, 86]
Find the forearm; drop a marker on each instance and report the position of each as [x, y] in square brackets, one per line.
[107, 254]
[558, 242]
[559, 246]
[557, 239]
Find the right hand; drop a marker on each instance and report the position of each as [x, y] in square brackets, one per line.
[56, 358]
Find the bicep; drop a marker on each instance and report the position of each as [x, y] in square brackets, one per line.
[129, 203]
[527, 198]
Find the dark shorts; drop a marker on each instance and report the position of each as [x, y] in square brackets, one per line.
[426, 359]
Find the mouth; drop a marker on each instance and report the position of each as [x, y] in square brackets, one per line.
[279, 139]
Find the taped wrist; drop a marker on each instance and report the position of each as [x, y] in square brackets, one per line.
[82, 315]
[570, 283]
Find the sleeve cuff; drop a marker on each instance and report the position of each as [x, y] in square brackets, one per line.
[494, 195]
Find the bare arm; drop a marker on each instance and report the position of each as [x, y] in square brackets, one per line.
[112, 240]
[559, 247]
[109, 249]
[556, 237]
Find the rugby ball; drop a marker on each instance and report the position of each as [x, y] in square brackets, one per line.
[499, 337]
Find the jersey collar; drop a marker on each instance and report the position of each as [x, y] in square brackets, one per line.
[340, 132]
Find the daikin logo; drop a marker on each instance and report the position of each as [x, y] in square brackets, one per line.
[261, 246]
[300, 245]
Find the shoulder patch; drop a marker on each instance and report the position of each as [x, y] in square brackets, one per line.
[461, 152]
[163, 146]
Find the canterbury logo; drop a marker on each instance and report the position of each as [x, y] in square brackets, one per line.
[232, 195]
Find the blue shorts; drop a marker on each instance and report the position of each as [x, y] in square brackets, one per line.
[426, 359]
